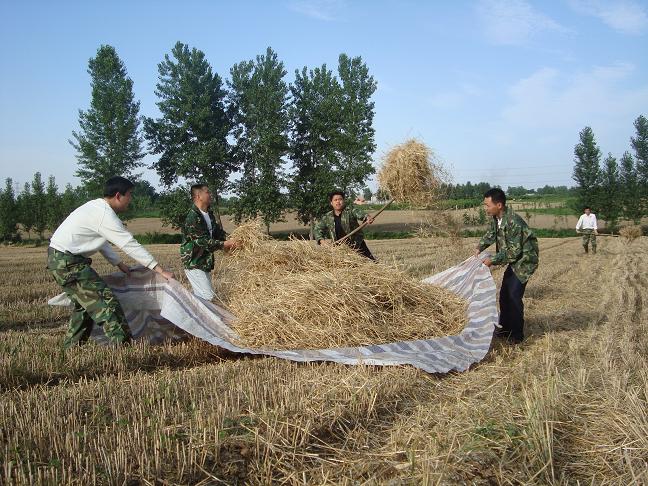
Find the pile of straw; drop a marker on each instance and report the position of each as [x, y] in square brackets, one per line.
[630, 233]
[411, 174]
[295, 295]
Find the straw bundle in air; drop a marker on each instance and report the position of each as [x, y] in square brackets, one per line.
[411, 174]
[630, 233]
[295, 295]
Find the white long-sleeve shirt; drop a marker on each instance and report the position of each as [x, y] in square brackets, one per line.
[586, 222]
[90, 228]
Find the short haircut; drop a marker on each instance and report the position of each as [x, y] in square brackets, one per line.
[196, 188]
[337, 192]
[496, 195]
[587, 207]
[117, 184]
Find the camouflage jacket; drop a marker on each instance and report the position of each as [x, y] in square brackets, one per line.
[515, 244]
[198, 246]
[351, 217]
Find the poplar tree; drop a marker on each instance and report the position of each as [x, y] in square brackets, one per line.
[640, 146]
[108, 142]
[587, 172]
[25, 209]
[8, 213]
[315, 113]
[630, 192]
[38, 205]
[610, 204]
[259, 107]
[190, 137]
[356, 142]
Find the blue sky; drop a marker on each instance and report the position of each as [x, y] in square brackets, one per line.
[498, 88]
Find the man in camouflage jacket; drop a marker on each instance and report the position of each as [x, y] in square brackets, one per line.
[202, 235]
[517, 246]
[340, 221]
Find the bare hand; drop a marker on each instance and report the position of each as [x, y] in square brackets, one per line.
[164, 273]
[325, 242]
[124, 268]
[369, 219]
[488, 262]
[477, 252]
[231, 245]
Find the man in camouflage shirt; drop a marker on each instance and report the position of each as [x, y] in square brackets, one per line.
[517, 246]
[340, 221]
[202, 235]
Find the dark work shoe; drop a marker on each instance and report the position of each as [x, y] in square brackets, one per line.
[501, 333]
[514, 340]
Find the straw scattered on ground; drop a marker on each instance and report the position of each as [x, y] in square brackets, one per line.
[412, 174]
[295, 295]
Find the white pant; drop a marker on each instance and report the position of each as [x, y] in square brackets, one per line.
[200, 283]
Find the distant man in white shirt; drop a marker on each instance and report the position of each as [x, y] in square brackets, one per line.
[202, 235]
[587, 227]
[89, 229]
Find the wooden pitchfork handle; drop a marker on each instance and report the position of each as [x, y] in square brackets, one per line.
[364, 223]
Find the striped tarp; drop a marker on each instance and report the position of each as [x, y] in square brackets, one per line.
[158, 310]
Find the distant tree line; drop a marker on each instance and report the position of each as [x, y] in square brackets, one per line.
[38, 207]
[475, 192]
[614, 189]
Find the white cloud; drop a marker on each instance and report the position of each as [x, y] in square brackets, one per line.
[549, 100]
[327, 10]
[514, 22]
[624, 16]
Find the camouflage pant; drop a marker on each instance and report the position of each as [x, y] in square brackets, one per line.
[93, 300]
[589, 237]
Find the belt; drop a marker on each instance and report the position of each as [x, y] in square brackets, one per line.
[67, 256]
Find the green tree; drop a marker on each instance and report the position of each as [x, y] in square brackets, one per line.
[109, 141]
[355, 141]
[8, 213]
[259, 107]
[174, 205]
[191, 134]
[587, 172]
[52, 204]
[315, 115]
[70, 200]
[144, 199]
[640, 146]
[39, 205]
[367, 194]
[630, 192]
[610, 204]
[25, 209]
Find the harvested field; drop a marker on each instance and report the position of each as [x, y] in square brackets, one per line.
[569, 406]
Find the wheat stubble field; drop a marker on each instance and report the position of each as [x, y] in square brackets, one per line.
[570, 406]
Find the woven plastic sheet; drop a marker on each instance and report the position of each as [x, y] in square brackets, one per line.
[158, 310]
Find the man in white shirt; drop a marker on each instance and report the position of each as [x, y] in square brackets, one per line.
[89, 229]
[587, 227]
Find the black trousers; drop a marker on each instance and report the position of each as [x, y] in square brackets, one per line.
[511, 306]
[363, 249]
